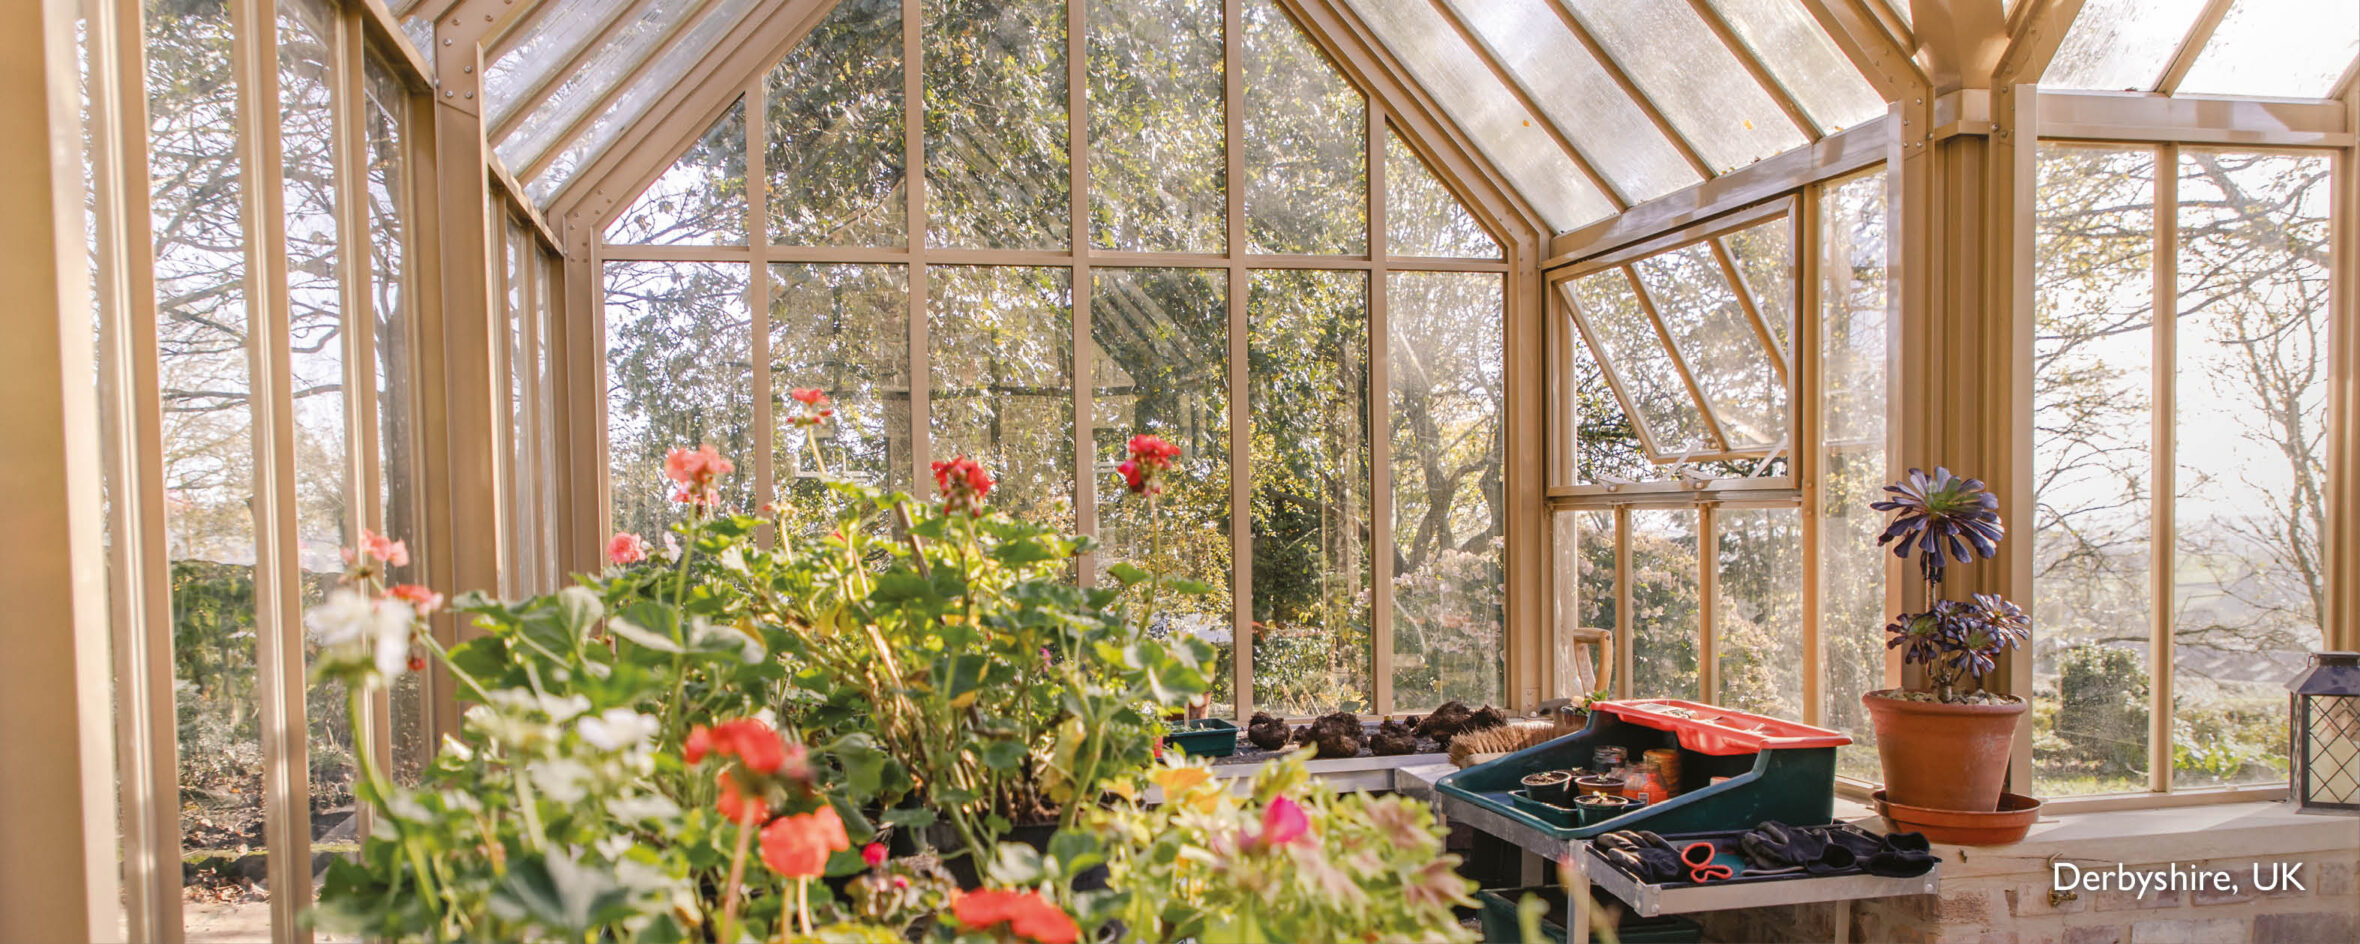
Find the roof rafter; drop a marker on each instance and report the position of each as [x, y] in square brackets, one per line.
[555, 79]
[505, 36]
[1862, 38]
[1614, 70]
[2192, 46]
[673, 35]
[1525, 97]
[2038, 28]
[1754, 66]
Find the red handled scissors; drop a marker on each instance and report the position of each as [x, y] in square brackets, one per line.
[1698, 856]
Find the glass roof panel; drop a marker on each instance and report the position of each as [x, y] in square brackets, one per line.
[550, 41]
[2278, 48]
[1723, 351]
[589, 84]
[1579, 97]
[1791, 44]
[667, 71]
[1627, 341]
[1488, 111]
[420, 30]
[2115, 45]
[1698, 83]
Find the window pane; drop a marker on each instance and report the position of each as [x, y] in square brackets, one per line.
[1627, 339]
[204, 376]
[996, 167]
[1422, 217]
[1855, 326]
[679, 372]
[1157, 168]
[1724, 351]
[1579, 96]
[1448, 394]
[1765, 258]
[385, 123]
[1489, 111]
[1758, 610]
[1306, 143]
[1605, 444]
[2252, 448]
[835, 148]
[523, 479]
[700, 199]
[1697, 82]
[2093, 289]
[555, 39]
[1804, 60]
[1002, 384]
[1160, 343]
[1584, 561]
[2116, 45]
[1308, 389]
[2277, 48]
[1664, 592]
[845, 331]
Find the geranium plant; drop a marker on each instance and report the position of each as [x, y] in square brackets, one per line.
[1946, 519]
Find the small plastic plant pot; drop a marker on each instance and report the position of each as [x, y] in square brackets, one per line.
[1599, 807]
[1599, 784]
[1550, 786]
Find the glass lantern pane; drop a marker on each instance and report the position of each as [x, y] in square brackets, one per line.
[1306, 143]
[1720, 345]
[578, 93]
[2278, 49]
[1580, 97]
[2118, 45]
[1627, 342]
[1702, 89]
[1854, 346]
[996, 163]
[700, 199]
[1422, 217]
[1001, 384]
[1488, 111]
[1157, 167]
[553, 40]
[1791, 44]
[1583, 561]
[834, 133]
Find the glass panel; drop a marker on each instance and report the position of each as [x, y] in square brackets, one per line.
[1584, 560]
[2117, 45]
[523, 479]
[1308, 388]
[1855, 319]
[1579, 97]
[420, 32]
[1448, 396]
[679, 373]
[996, 164]
[1487, 109]
[1159, 346]
[385, 123]
[667, 71]
[546, 508]
[1758, 610]
[835, 133]
[1718, 342]
[1606, 446]
[843, 330]
[2249, 595]
[592, 81]
[2093, 288]
[556, 37]
[1664, 592]
[1157, 167]
[1306, 143]
[1002, 382]
[700, 199]
[1765, 257]
[1607, 301]
[1697, 82]
[205, 379]
[1805, 61]
[1422, 217]
[2282, 48]
[307, 74]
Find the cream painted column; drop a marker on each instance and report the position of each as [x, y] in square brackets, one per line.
[57, 822]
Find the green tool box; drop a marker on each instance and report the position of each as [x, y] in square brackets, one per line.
[1767, 769]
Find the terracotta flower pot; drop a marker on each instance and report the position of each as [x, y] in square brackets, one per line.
[2007, 824]
[1943, 757]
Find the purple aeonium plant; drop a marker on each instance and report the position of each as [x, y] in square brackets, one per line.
[1944, 518]
[1959, 640]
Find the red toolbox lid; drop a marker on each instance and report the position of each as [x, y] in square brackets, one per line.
[1711, 729]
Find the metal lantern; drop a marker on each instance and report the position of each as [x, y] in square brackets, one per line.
[2324, 713]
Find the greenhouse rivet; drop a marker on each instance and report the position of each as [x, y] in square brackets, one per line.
[446, 93]
[471, 93]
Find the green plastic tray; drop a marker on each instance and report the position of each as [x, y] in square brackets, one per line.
[1499, 920]
[1205, 737]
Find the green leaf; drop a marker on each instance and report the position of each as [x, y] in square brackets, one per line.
[484, 657]
[912, 818]
[1003, 755]
[578, 610]
[1015, 865]
[1126, 573]
[640, 636]
[558, 893]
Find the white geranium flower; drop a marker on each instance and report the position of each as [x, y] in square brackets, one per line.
[392, 631]
[616, 729]
[345, 618]
[562, 780]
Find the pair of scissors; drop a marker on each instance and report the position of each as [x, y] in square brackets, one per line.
[1698, 856]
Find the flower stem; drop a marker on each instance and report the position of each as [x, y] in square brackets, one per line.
[737, 871]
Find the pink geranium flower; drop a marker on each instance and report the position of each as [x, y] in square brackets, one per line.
[1283, 823]
[693, 472]
[626, 548]
[378, 547]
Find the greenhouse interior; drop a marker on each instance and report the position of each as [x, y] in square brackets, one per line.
[1181, 471]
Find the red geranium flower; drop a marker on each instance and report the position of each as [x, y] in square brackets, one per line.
[808, 396]
[1028, 916]
[755, 745]
[419, 598]
[873, 854]
[963, 485]
[798, 846]
[1147, 458]
[735, 804]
